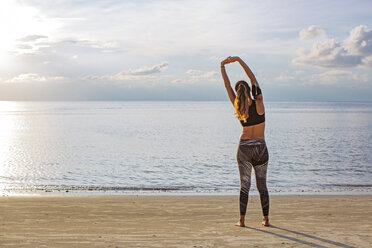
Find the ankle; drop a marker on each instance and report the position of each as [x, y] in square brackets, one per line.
[242, 218]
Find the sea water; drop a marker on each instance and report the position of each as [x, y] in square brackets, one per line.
[180, 147]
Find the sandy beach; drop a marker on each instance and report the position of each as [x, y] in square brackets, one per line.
[183, 221]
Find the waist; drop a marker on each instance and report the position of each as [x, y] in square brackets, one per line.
[249, 136]
[252, 142]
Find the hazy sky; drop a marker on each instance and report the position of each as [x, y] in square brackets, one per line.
[171, 50]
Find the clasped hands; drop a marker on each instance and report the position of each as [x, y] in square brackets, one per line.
[229, 60]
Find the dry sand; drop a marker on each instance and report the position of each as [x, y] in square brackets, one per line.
[183, 221]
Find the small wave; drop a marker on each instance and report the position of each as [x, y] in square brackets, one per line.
[351, 185]
[99, 188]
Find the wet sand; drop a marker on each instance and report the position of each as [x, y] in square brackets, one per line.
[183, 221]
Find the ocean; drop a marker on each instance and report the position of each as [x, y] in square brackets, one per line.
[180, 148]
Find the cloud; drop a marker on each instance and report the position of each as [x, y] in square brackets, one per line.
[34, 37]
[210, 74]
[147, 70]
[216, 58]
[132, 74]
[197, 75]
[328, 53]
[102, 45]
[176, 81]
[33, 45]
[73, 58]
[299, 72]
[33, 77]
[360, 41]
[335, 76]
[24, 46]
[341, 77]
[311, 32]
[352, 52]
[284, 77]
[192, 71]
[201, 74]
[367, 61]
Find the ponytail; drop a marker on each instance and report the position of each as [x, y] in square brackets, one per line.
[242, 100]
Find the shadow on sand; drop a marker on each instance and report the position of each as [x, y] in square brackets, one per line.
[300, 240]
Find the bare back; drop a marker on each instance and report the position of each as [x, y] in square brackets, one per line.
[254, 132]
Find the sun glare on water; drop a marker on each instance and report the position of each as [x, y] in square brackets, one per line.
[7, 136]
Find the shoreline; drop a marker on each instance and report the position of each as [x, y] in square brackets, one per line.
[11, 193]
[184, 221]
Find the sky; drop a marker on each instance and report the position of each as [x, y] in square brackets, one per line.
[67, 50]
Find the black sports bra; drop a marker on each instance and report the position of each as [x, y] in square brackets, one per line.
[254, 118]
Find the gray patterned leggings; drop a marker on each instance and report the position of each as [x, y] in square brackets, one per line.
[253, 153]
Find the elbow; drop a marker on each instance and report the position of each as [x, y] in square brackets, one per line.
[258, 97]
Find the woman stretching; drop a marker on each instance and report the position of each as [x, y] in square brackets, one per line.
[252, 150]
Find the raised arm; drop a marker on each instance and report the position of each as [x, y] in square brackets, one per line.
[230, 91]
[256, 91]
[248, 71]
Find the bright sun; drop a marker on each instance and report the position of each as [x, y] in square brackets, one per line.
[17, 21]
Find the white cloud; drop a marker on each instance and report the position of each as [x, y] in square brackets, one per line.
[33, 37]
[24, 46]
[284, 77]
[367, 61]
[311, 32]
[133, 74]
[197, 75]
[176, 81]
[204, 74]
[216, 58]
[192, 71]
[31, 44]
[145, 70]
[299, 72]
[329, 53]
[102, 45]
[33, 77]
[34, 45]
[360, 41]
[210, 74]
[337, 76]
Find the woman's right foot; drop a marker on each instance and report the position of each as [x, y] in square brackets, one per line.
[265, 221]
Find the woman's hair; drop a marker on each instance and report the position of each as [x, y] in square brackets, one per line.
[242, 100]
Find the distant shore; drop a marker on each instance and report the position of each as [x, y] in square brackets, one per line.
[183, 221]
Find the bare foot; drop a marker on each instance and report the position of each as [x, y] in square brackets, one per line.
[239, 223]
[265, 221]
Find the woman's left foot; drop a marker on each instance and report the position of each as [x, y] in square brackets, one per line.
[239, 223]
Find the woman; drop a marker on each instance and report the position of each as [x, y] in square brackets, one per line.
[252, 150]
